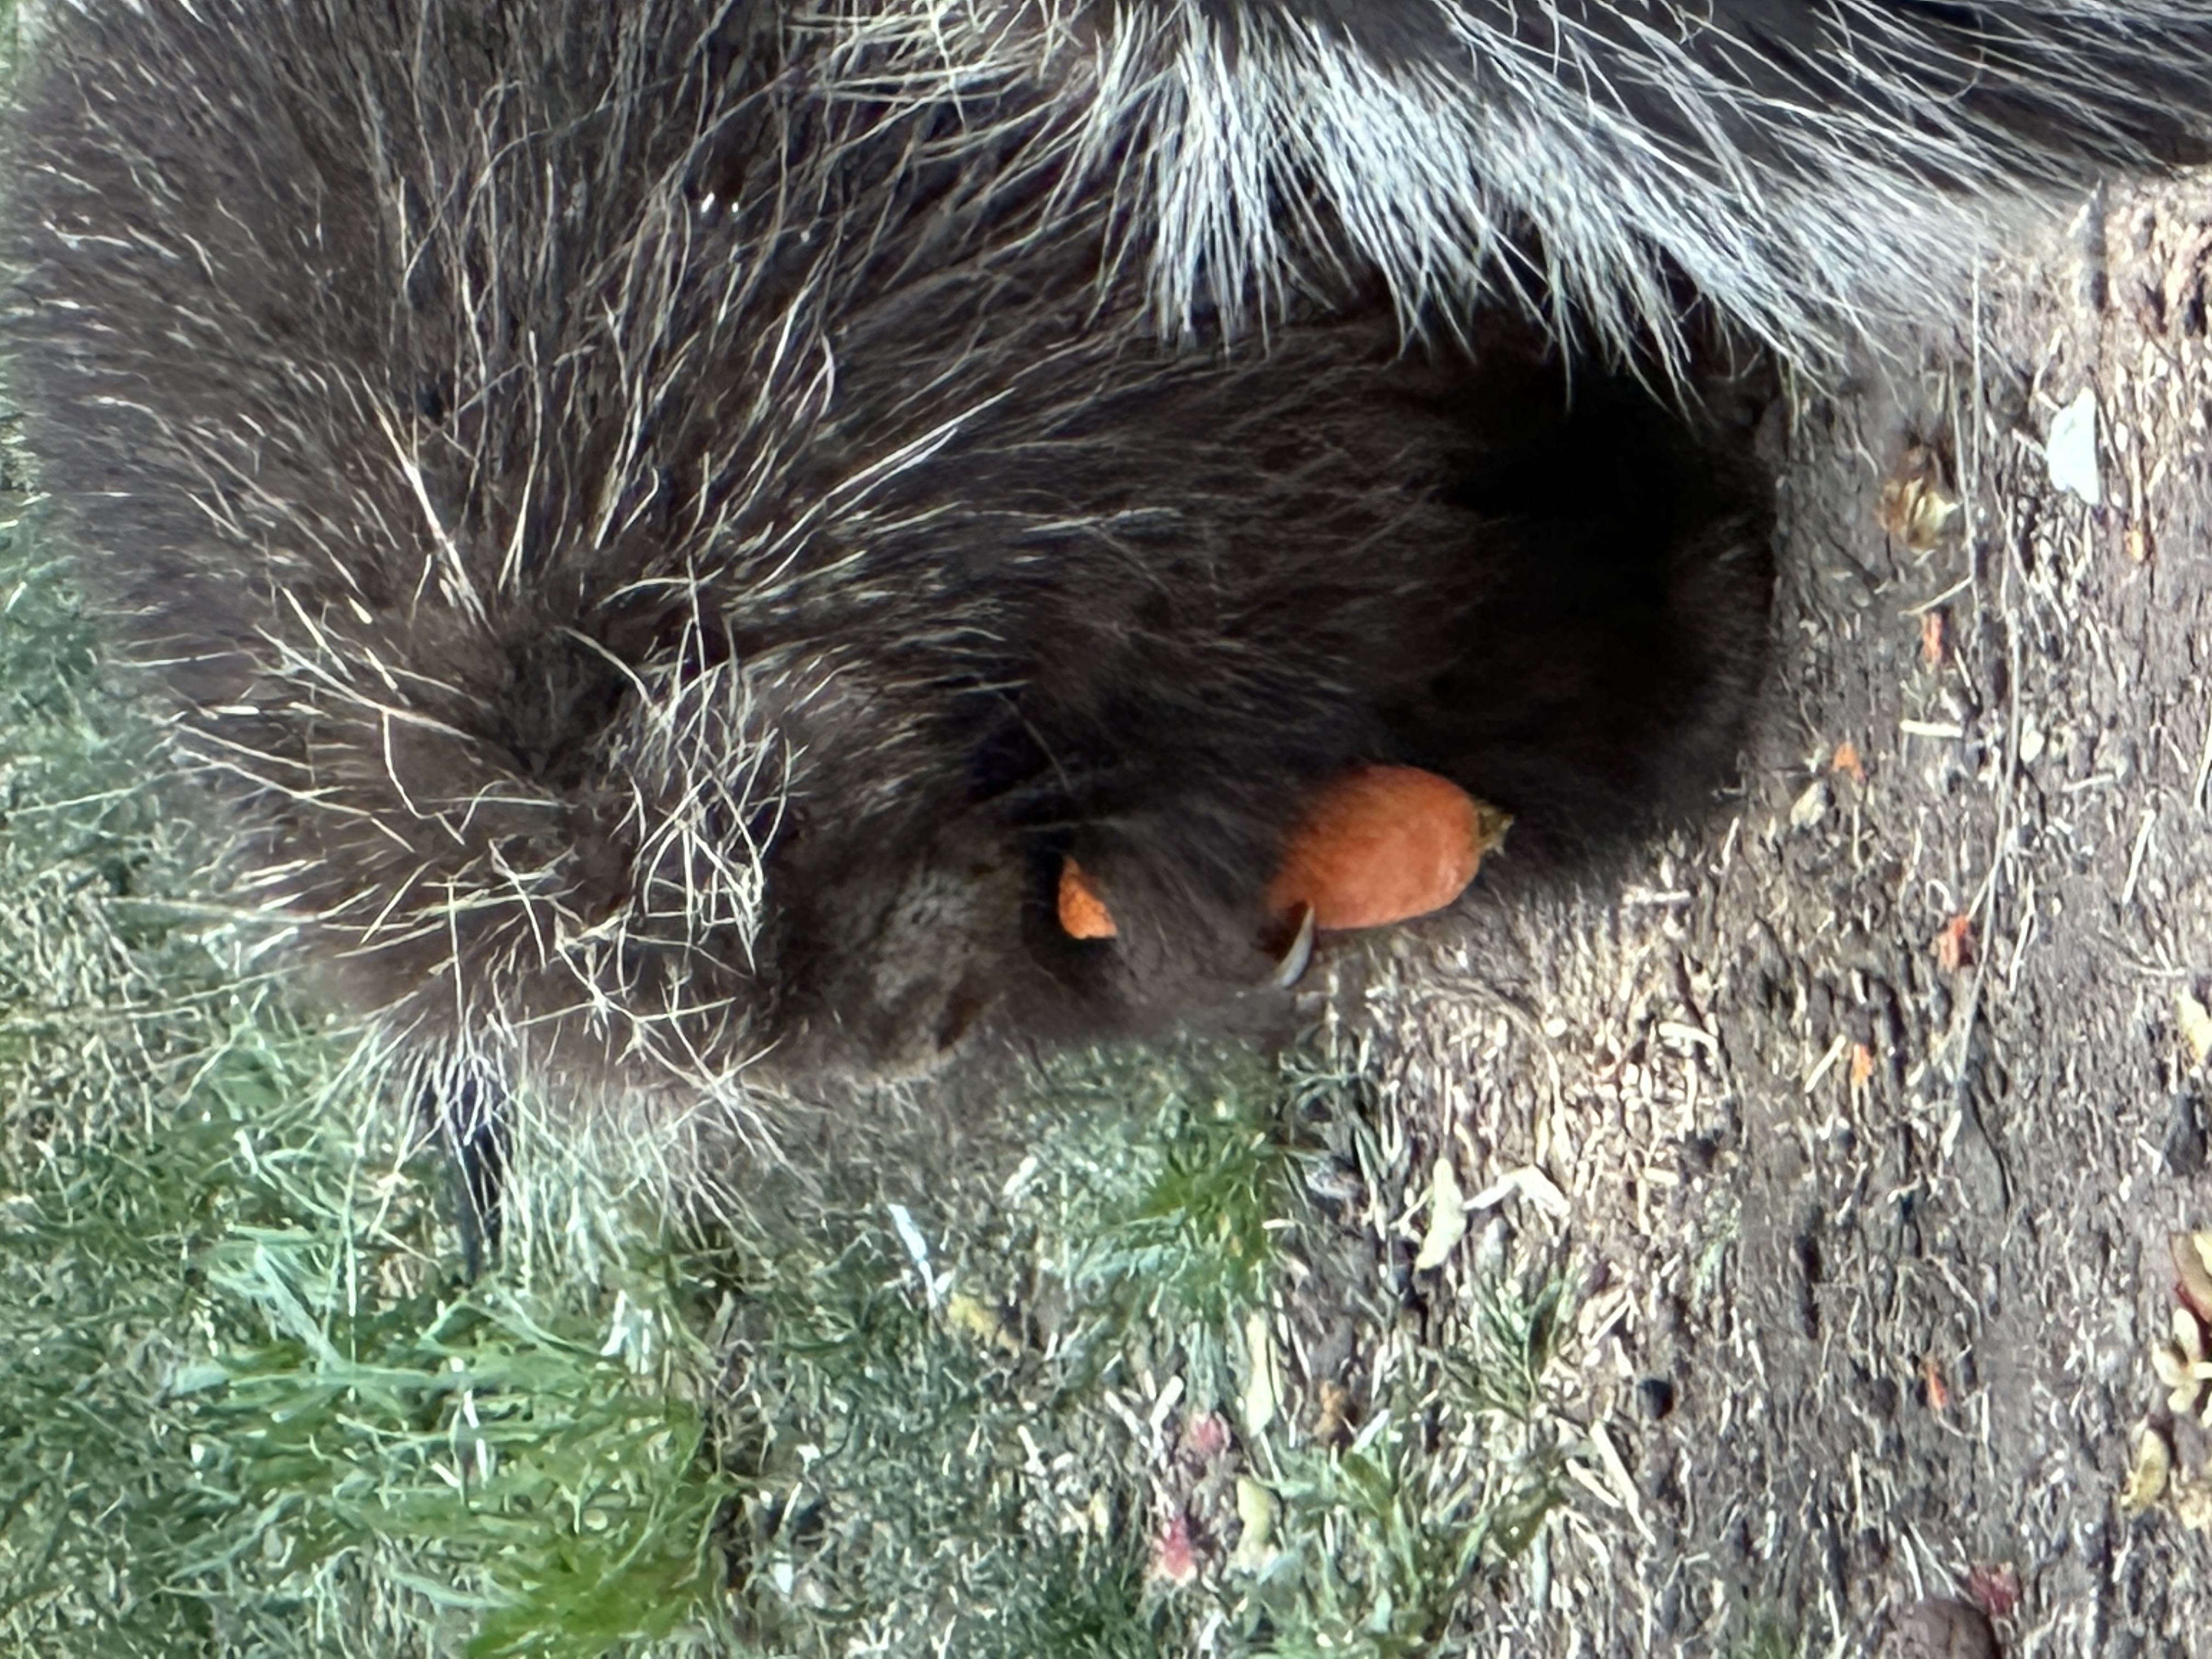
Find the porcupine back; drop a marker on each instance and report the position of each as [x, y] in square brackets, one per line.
[1821, 175]
[661, 562]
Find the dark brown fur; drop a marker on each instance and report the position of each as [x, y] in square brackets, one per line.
[662, 566]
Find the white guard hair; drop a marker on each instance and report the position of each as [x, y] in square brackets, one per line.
[1819, 174]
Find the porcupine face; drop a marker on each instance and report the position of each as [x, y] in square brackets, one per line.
[665, 565]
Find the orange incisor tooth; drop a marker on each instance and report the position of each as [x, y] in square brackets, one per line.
[1083, 914]
[1382, 844]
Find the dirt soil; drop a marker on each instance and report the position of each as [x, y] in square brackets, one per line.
[1866, 1206]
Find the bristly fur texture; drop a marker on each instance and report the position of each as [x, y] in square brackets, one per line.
[663, 554]
[1819, 176]
[667, 521]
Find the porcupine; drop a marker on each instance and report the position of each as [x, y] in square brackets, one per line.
[670, 521]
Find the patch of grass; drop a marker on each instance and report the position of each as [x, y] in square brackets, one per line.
[965, 1453]
[1760, 1633]
[240, 1369]
[930, 1451]
[1161, 1185]
[1388, 1547]
[1512, 1340]
[1185, 1221]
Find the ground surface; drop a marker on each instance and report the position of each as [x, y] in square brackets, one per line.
[1869, 1249]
